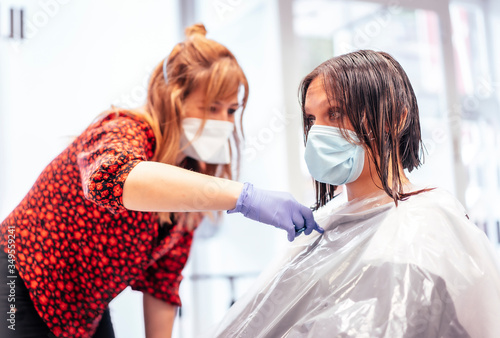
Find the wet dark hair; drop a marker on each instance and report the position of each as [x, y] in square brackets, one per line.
[375, 96]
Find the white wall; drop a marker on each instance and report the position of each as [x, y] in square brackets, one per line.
[78, 58]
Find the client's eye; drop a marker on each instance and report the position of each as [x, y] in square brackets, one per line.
[334, 113]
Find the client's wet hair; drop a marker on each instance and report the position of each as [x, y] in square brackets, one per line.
[376, 98]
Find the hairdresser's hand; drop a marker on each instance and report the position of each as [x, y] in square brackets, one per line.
[279, 209]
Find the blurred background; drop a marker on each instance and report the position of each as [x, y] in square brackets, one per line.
[62, 62]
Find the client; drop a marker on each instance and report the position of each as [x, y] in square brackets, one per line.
[394, 260]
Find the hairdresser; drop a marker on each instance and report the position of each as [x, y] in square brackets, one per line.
[118, 207]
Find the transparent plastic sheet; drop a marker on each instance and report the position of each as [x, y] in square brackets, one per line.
[417, 270]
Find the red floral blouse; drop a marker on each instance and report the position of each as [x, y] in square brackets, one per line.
[77, 247]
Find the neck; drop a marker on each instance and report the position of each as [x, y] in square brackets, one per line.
[363, 187]
[139, 110]
[369, 183]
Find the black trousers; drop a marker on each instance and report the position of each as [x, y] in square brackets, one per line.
[25, 320]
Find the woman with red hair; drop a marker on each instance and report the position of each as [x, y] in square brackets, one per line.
[118, 207]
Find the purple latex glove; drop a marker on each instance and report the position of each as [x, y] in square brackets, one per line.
[276, 208]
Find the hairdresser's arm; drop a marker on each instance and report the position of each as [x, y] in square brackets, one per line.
[158, 317]
[153, 186]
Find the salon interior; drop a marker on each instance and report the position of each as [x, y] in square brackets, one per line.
[63, 61]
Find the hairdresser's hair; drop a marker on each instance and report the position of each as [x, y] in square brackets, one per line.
[195, 63]
[378, 101]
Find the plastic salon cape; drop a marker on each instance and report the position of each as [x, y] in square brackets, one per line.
[421, 269]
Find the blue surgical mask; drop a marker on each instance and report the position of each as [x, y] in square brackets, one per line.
[331, 158]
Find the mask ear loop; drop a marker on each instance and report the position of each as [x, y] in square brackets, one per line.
[165, 69]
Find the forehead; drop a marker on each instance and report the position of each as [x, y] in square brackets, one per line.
[316, 94]
[199, 95]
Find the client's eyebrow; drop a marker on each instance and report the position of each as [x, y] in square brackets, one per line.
[334, 103]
